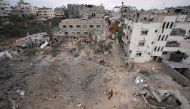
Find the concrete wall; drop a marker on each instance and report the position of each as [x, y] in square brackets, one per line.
[179, 78]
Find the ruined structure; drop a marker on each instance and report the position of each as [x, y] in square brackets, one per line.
[79, 28]
[23, 9]
[5, 11]
[85, 11]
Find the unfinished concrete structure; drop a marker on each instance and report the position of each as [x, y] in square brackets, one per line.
[85, 11]
[59, 11]
[155, 34]
[84, 28]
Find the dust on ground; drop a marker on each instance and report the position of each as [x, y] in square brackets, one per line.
[68, 82]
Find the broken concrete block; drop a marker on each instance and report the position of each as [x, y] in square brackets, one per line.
[44, 45]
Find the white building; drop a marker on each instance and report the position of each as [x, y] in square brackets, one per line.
[46, 13]
[116, 13]
[151, 35]
[5, 10]
[80, 28]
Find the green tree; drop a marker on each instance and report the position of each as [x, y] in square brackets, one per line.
[49, 31]
[109, 46]
[66, 14]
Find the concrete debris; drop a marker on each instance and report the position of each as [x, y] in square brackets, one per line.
[160, 95]
[138, 80]
[21, 92]
[32, 40]
[4, 55]
[31, 64]
[44, 45]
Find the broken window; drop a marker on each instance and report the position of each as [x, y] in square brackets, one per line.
[141, 44]
[163, 26]
[162, 48]
[91, 26]
[73, 33]
[84, 26]
[171, 25]
[158, 49]
[71, 26]
[172, 44]
[165, 53]
[178, 32]
[167, 24]
[159, 37]
[78, 33]
[85, 33]
[166, 37]
[155, 48]
[163, 37]
[138, 54]
[98, 26]
[64, 26]
[78, 26]
[144, 32]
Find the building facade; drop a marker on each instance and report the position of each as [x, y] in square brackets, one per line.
[46, 13]
[23, 9]
[59, 11]
[5, 11]
[97, 28]
[155, 35]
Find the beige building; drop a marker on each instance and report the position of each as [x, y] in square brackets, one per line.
[46, 13]
[97, 28]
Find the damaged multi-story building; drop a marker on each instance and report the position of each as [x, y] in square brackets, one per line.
[155, 35]
[84, 28]
[23, 9]
[5, 11]
[85, 11]
[59, 11]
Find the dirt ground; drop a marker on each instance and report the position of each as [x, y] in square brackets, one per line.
[67, 82]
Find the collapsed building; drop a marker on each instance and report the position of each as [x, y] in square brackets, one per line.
[154, 35]
[59, 11]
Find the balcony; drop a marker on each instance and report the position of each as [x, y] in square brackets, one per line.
[172, 44]
[178, 32]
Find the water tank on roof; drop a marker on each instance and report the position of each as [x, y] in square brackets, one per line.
[116, 9]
